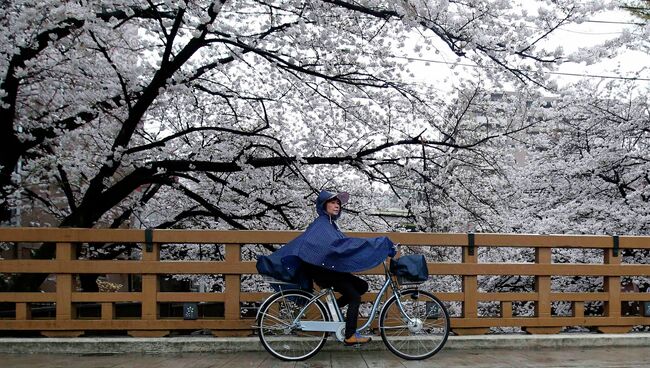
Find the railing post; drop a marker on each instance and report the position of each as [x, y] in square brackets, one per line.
[579, 309]
[64, 310]
[150, 288]
[23, 312]
[64, 288]
[612, 286]
[108, 311]
[543, 256]
[506, 309]
[470, 288]
[232, 310]
[543, 284]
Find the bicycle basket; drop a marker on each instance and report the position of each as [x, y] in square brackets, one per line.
[410, 269]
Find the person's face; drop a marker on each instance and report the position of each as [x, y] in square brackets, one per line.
[333, 207]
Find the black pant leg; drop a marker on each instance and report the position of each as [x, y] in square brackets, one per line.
[358, 283]
[353, 298]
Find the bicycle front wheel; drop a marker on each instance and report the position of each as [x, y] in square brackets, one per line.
[423, 333]
[283, 338]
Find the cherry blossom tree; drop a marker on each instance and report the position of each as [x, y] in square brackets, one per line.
[589, 163]
[234, 113]
[585, 170]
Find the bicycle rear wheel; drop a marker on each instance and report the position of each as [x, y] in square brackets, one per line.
[280, 336]
[421, 337]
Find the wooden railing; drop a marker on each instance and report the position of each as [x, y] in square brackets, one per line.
[66, 266]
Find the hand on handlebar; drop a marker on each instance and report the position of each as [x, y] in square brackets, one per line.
[396, 247]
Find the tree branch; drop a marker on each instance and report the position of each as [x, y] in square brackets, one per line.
[65, 184]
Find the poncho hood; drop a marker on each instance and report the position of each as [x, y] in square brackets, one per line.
[325, 196]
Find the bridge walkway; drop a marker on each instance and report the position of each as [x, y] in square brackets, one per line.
[611, 357]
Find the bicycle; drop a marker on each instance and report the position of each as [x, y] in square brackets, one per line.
[294, 324]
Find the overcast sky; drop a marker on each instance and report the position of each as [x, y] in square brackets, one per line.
[433, 66]
[629, 64]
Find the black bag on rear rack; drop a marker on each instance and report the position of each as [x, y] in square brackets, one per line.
[411, 268]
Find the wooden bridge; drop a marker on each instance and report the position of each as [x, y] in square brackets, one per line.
[66, 300]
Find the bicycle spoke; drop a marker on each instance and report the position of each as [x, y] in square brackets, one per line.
[276, 319]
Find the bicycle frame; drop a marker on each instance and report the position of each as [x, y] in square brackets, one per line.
[334, 326]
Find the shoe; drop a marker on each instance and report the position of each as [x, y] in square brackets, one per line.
[357, 339]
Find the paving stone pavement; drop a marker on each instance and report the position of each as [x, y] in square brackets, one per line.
[612, 357]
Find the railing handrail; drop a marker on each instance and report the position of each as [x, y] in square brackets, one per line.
[18, 234]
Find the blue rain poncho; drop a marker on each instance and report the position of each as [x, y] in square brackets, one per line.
[324, 245]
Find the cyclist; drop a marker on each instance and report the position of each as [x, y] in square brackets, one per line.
[323, 253]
